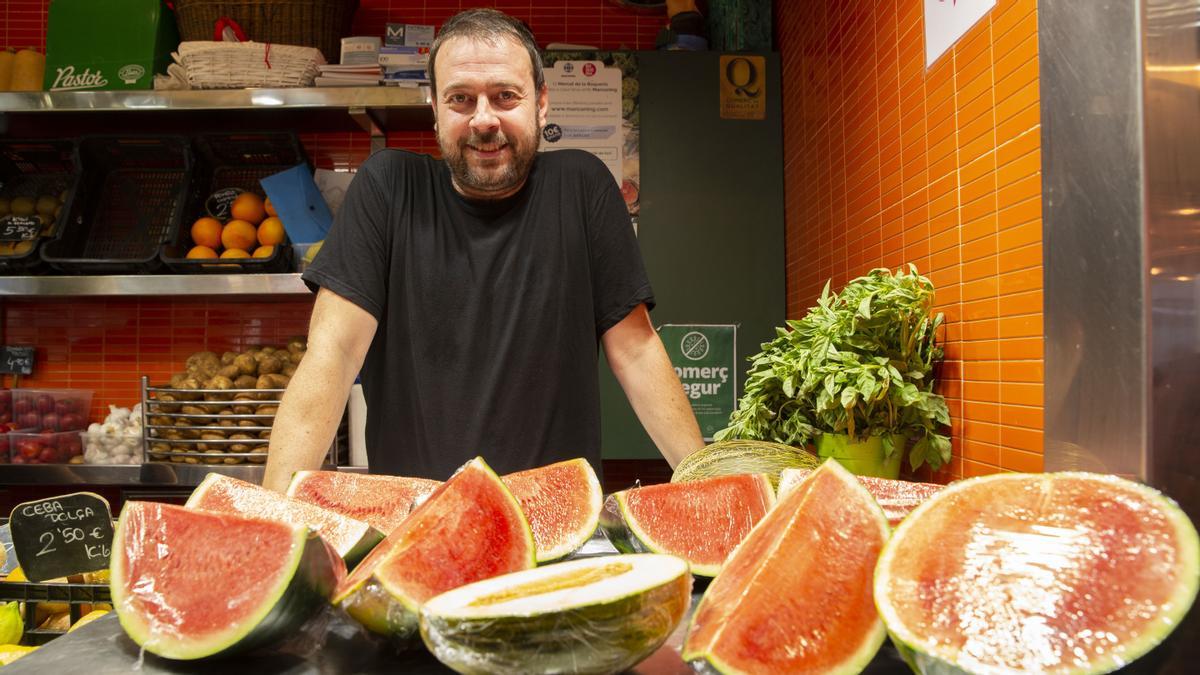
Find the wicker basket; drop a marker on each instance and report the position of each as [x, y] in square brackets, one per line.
[307, 23]
[236, 65]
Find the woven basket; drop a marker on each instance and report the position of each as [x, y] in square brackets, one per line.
[236, 65]
[306, 23]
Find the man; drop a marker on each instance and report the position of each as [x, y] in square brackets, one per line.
[473, 293]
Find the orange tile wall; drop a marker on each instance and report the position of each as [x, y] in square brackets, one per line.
[889, 163]
[107, 344]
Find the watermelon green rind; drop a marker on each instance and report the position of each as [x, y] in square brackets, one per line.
[294, 598]
[599, 636]
[924, 658]
[703, 660]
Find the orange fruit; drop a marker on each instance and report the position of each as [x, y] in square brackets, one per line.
[248, 207]
[201, 252]
[269, 207]
[235, 253]
[270, 232]
[264, 251]
[239, 234]
[207, 232]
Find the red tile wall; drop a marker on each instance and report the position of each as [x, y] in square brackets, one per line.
[108, 344]
[890, 163]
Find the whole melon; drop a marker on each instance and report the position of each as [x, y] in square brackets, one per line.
[727, 458]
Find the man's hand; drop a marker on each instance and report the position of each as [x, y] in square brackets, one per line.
[339, 336]
[637, 358]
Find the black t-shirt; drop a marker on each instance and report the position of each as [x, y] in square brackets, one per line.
[490, 314]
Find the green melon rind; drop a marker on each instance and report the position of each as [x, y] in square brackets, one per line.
[927, 662]
[390, 611]
[704, 662]
[291, 601]
[731, 457]
[352, 556]
[606, 637]
[596, 504]
[624, 533]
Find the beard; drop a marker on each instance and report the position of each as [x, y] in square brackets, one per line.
[496, 178]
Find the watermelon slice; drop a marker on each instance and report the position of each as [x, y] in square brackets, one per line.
[470, 528]
[700, 521]
[1038, 573]
[596, 615]
[381, 501]
[352, 539]
[192, 584]
[795, 597]
[897, 497]
[562, 501]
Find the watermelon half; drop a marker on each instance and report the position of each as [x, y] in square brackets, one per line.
[471, 528]
[596, 615]
[352, 539]
[562, 501]
[1037, 573]
[701, 521]
[795, 597]
[192, 584]
[727, 458]
[381, 501]
[897, 498]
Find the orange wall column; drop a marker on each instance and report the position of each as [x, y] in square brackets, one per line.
[888, 163]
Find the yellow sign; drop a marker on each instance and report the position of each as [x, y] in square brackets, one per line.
[743, 87]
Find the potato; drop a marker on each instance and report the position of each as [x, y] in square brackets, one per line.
[289, 369]
[177, 379]
[243, 410]
[260, 454]
[268, 350]
[214, 457]
[269, 365]
[247, 423]
[230, 372]
[227, 358]
[244, 382]
[192, 410]
[212, 436]
[297, 343]
[202, 360]
[272, 381]
[246, 364]
[295, 357]
[265, 434]
[233, 460]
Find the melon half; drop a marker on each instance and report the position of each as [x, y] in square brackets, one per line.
[1037, 573]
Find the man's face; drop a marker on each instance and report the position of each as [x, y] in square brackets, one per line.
[489, 116]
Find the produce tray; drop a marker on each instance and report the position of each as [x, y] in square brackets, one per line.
[128, 204]
[32, 169]
[233, 160]
[74, 595]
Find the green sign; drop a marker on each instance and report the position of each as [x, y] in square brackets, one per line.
[705, 359]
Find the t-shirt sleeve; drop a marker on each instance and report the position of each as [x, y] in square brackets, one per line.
[619, 279]
[353, 261]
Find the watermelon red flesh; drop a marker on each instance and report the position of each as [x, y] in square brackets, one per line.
[166, 560]
[381, 501]
[1071, 572]
[700, 521]
[796, 595]
[222, 494]
[562, 501]
[897, 498]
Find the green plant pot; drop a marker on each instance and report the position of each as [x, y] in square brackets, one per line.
[865, 458]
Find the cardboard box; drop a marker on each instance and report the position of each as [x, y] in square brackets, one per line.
[116, 44]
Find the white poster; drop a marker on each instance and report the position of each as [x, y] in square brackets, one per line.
[585, 111]
[948, 20]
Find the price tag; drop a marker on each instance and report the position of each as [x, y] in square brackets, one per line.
[61, 536]
[20, 228]
[218, 203]
[16, 360]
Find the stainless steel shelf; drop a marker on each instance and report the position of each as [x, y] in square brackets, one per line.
[154, 284]
[150, 474]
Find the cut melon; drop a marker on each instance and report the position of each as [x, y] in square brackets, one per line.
[381, 501]
[795, 597]
[897, 498]
[471, 528]
[700, 521]
[596, 615]
[727, 458]
[191, 584]
[352, 539]
[562, 502]
[1037, 573]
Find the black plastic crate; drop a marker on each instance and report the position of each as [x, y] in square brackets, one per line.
[239, 161]
[34, 171]
[75, 596]
[128, 203]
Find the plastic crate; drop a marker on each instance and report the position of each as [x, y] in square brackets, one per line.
[52, 410]
[77, 597]
[129, 202]
[240, 161]
[35, 170]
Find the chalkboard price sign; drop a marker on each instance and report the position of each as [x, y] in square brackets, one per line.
[20, 228]
[16, 360]
[61, 536]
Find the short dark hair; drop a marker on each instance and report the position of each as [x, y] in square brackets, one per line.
[488, 25]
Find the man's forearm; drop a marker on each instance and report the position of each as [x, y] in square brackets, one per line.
[657, 397]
